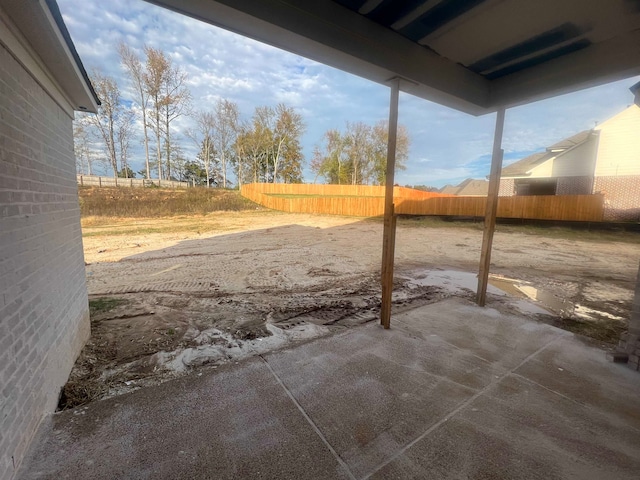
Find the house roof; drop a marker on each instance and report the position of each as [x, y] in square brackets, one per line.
[572, 141]
[474, 187]
[522, 167]
[472, 55]
[42, 32]
[470, 186]
[450, 189]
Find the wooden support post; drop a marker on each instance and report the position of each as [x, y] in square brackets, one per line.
[389, 232]
[491, 210]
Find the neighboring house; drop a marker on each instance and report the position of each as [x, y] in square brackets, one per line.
[44, 311]
[469, 187]
[604, 160]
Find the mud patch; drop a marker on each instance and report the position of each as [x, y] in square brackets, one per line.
[146, 338]
[196, 301]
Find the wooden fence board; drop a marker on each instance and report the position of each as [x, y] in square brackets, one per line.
[368, 201]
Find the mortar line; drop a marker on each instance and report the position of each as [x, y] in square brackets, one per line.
[456, 410]
[309, 420]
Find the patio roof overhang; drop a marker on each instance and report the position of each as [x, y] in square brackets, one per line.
[476, 56]
[472, 55]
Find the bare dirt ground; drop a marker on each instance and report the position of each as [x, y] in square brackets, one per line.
[171, 296]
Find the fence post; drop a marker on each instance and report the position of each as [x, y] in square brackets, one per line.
[99, 182]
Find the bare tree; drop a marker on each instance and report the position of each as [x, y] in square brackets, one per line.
[105, 121]
[226, 126]
[81, 145]
[202, 136]
[169, 97]
[176, 100]
[154, 76]
[124, 133]
[136, 71]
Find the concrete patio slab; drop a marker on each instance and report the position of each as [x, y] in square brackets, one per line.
[451, 391]
[238, 423]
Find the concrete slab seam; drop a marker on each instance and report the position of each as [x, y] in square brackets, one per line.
[528, 380]
[583, 405]
[439, 377]
[309, 420]
[474, 355]
[457, 410]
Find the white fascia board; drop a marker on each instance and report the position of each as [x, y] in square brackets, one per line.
[80, 85]
[326, 32]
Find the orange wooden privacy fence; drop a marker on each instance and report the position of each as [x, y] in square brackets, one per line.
[368, 201]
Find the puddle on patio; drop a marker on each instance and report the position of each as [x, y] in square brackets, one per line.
[549, 301]
[525, 296]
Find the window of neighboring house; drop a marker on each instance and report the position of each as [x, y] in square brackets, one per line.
[536, 186]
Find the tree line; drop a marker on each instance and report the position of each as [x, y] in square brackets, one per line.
[358, 155]
[264, 148]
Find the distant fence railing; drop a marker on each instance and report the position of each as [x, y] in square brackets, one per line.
[368, 201]
[98, 181]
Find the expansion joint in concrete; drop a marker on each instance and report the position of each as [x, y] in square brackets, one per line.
[457, 410]
[309, 420]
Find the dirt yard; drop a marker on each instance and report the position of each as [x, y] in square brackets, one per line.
[171, 296]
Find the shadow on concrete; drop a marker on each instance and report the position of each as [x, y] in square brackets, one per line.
[451, 391]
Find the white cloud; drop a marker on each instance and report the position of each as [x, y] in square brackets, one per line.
[446, 145]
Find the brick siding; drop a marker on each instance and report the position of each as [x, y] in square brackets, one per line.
[621, 197]
[574, 185]
[507, 187]
[44, 315]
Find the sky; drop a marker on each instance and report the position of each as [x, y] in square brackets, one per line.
[447, 146]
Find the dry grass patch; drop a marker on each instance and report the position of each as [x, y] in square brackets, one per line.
[121, 202]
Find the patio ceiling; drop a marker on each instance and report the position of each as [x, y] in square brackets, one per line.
[471, 55]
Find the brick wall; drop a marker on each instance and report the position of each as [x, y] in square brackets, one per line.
[574, 185]
[507, 187]
[44, 318]
[621, 197]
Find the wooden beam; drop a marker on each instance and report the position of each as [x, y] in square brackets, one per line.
[389, 232]
[491, 209]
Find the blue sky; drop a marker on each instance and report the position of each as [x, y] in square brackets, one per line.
[446, 146]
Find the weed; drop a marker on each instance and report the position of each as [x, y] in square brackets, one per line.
[101, 305]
